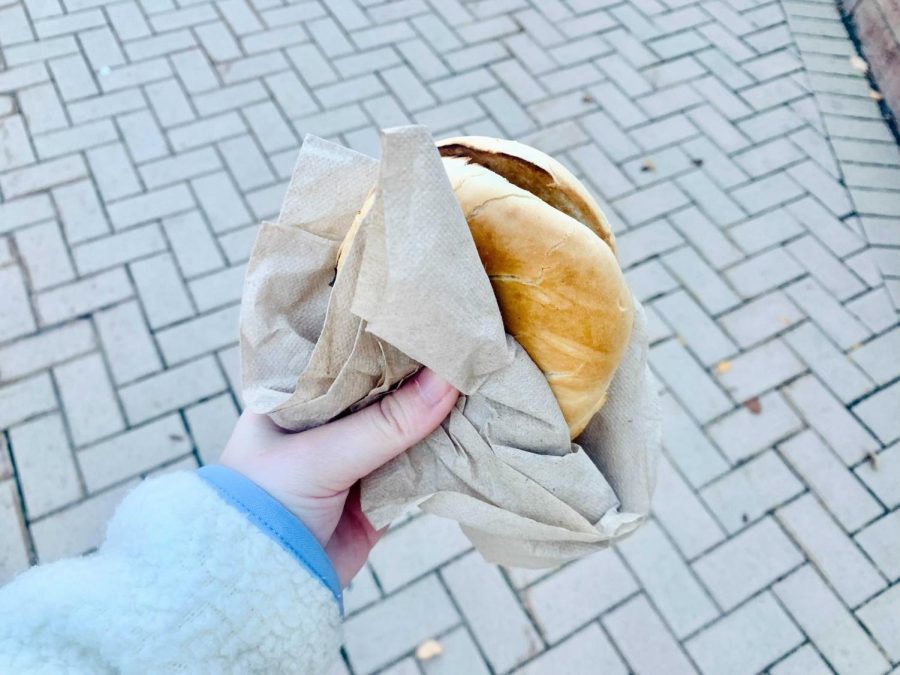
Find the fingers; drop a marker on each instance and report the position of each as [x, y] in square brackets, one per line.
[356, 445]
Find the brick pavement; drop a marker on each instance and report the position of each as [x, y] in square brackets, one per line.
[754, 190]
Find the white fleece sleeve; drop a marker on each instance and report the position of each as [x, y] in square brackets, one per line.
[184, 582]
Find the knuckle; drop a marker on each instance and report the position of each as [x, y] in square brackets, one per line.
[391, 418]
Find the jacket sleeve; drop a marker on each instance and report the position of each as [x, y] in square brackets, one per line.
[199, 572]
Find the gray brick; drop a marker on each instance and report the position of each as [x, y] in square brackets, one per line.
[73, 77]
[210, 423]
[81, 213]
[273, 39]
[15, 556]
[77, 529]
[825, 267]
[159, 45]
[101, 48]
[878, 357]
[829, 363]
[828, 624]
[829, 314]
[751, 490]
[701, 280]
[757, 634]
[14, 26]
[88, 399]
[579, 592]
[133, 452]
[313, 67]
[585, 651]
[128, 20]
[499, 624]
[195, 248]
[445, 116]
[162, 292]
[557, 137]
[761, 319]
[44, 465]
[744, 433]
[804, 661]
[837, 488]
[19, 212]
[763, 272]
[699, 332]
[23, 76]
[43, 251]
[194, 70]
[113, 172]
[16, 148]
[105, 105]
[687, 446]
[668, 581]
[143, 137]
[120, 248]
[520, 83]
[54, 144]
[416, 549]
[694, 388]
[83, 296]
[713, 201]
[650, 203]
[221, 202]
[169, 103]
[171, 390]
[26, 398]
[142, 72]
[180, 167]
[878, 413]
[880, 617]
[682, 514]
[611, 183]
[748, 563]
[199, 336]
[129, 348]
[851, 575]
[291, 95]
[45, 349]
[247, 164]
[389, 629]
[644, 640]
[150, 205]
[42, 108]
[760, 369]
[873, 309]
[42, 176]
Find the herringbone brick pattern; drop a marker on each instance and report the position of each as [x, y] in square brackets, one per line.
[756, 196]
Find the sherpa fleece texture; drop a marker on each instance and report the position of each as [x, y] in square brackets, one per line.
[183, 583]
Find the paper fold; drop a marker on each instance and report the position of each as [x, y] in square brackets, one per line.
[412, 291]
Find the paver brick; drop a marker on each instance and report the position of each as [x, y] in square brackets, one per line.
[83, 296]
[878, 412]
[460, 656]
[883, 479]
[44, 255]
[746, 564]
[87, 396]
[387, 630]
[171, 390]
[44, 465]
[135, 451]
[849, 572]
[490, 607]
[757, 634]
[669, 582]
[130, 350]
[881, 540]
[804, 661]
[210, 427]
[576, 594]
[14, 556]
[882, 618]
[40, 351]
[688, 381]
[828, 624]
[588, 650]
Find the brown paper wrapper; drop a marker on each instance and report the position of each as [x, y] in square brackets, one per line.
[412, 291]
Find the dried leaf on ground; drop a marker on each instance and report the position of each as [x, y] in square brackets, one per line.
[428, 650]
[723, 367]
[648, 165]
[753, 405]
[875, 95]
[859, 64]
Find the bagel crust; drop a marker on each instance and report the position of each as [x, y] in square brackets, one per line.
[549, 254]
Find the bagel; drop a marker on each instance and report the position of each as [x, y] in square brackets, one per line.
[550, 256]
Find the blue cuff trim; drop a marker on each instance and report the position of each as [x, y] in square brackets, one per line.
[276, 522]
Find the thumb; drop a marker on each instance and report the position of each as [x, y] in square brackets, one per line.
[356, 445]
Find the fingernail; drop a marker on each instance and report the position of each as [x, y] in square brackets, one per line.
[431, 387]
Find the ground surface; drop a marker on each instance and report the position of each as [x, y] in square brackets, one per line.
[142, 141]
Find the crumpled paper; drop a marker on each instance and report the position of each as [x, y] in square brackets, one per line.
[411, 291]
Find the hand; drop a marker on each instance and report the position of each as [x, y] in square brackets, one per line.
[315, 473]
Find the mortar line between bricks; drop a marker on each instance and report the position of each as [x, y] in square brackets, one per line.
[20, 498]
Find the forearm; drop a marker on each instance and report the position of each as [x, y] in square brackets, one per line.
[191, 576]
